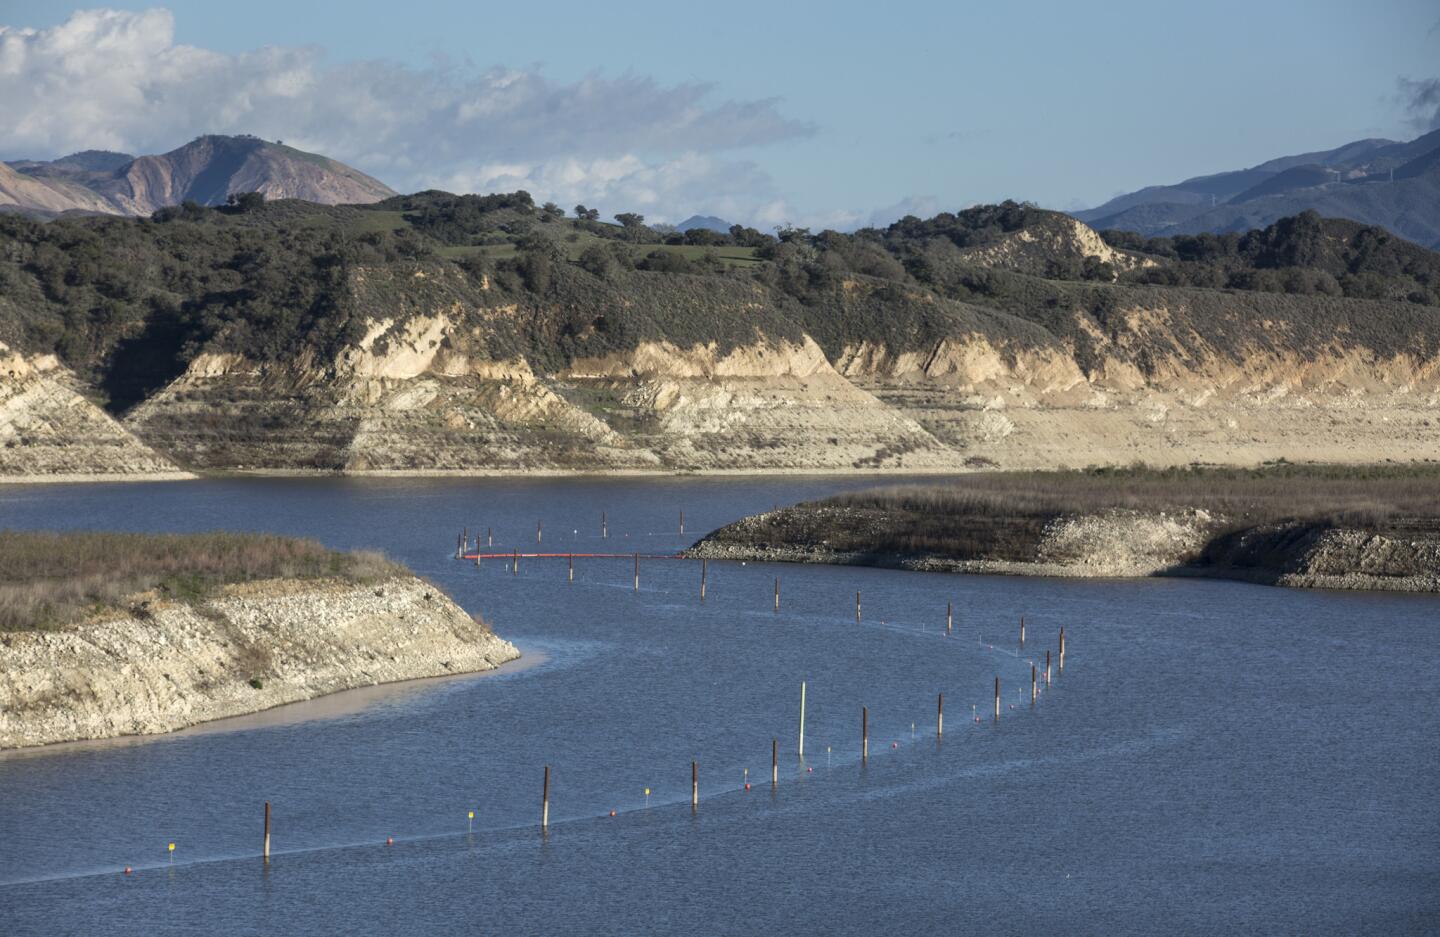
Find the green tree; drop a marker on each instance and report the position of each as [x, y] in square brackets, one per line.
[245, 201]
[633, 224]
[598, 260]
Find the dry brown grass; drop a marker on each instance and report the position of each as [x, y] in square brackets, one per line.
[1003, 515]
[1345, 494]
[47, 579]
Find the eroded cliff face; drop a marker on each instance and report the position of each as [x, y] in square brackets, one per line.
[1030, 250]
[1159, 395]
[171, 665]
[49, 432]
[419, 397]
[423, 391]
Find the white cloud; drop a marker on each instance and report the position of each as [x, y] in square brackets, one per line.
[108, 79]
[1421, 100]
[662, 191]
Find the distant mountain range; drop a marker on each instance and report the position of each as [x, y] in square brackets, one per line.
[708, 222]
[1374, 181]
[206, 170]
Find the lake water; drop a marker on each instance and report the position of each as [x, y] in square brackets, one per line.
[1217, 757]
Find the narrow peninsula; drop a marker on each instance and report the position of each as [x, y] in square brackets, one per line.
[109, 634]
[1331, 527]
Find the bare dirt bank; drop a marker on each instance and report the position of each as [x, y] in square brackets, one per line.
[165, 666]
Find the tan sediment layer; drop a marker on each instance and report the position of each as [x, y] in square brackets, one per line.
[90, 477]
[166, 666]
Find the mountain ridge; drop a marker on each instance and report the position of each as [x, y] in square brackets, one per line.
[1395, 185]
[207, 170]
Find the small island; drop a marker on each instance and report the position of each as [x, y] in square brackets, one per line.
[109, 634]
[1317, 526]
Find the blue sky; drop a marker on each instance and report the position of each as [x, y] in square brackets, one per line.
[828, 113]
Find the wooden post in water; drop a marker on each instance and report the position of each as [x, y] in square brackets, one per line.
[1062, 648]
[545, 803]
[703, 571]
[694, 785]
[489, 538]
[538, 528]
[1022, 632]
[637, 572]
[777, 593]
[604, 527]
[572, 567]
[997, 699]
[949, 616]
[940, 716]
[1033, 687]
[802, 719]
[265, 843]
[682, 521]
[515, 561]
[1047, 668]
[857, 607]
[774, 762]
[864, 735]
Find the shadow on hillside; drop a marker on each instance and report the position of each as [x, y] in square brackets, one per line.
[143, 363]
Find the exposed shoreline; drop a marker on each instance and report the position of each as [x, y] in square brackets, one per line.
[839, 472]
[336, 705]
[83, 478]
[1127, 545]
[251, 649]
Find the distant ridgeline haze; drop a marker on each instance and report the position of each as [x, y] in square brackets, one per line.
[1376, 182]
[434, 332]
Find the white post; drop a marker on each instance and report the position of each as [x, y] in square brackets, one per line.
[802, 718]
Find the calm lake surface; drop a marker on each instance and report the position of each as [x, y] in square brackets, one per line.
[1217, 757]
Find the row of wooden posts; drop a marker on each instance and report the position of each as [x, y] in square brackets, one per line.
[704, 576]
[463, 543]
[775, 745]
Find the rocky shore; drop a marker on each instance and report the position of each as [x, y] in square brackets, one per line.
[162, 665]
[1116, 544]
